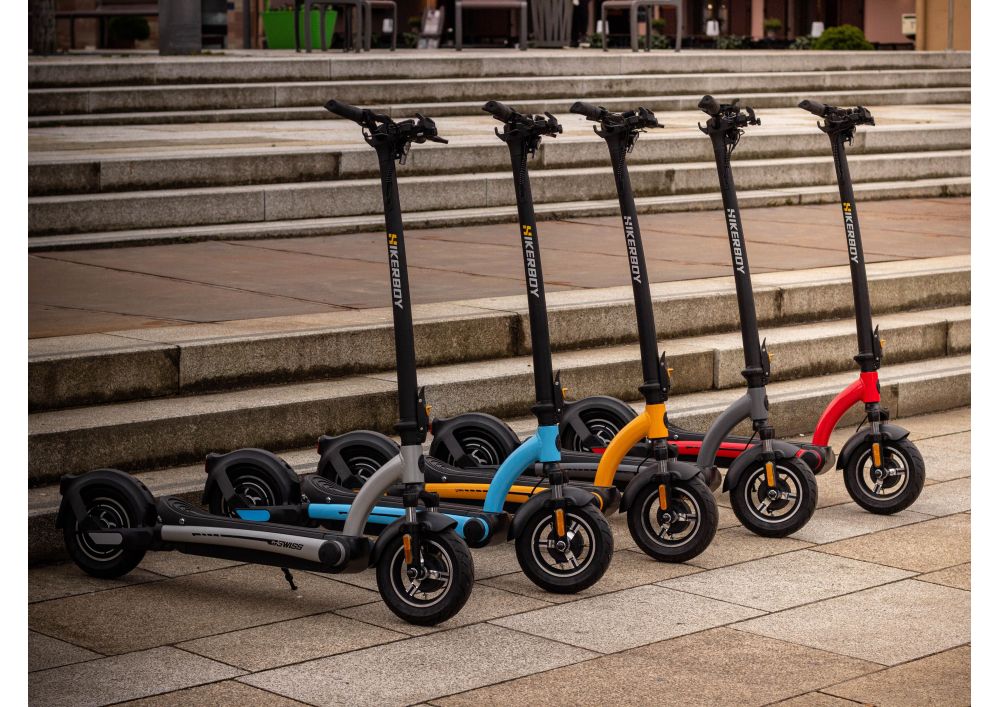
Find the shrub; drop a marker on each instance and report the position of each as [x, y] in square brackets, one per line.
[732, 41]
[772, 24]
[660, 42]
[594, 40]
[844, 37]
[802, 42]
[659, 25]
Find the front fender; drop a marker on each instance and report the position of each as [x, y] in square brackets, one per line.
[217, 467]
[892, 433]
[574, 497]
[742, 463]
[431, 522]
[676, 471]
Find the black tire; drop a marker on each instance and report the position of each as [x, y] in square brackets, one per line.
[603, 424]
[111, 507]
[482, 447]
[548, 567]
[674, 536]
[254, 481]
[363, 461]
[901, 490]
[781, 516]
[443, 552]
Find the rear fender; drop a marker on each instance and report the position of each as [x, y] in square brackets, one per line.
[72, 486]
[445, 443]
[218, 466]
[572, 417]
[333, 452]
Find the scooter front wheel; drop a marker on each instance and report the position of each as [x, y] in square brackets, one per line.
[108, 507]
[779, 511]
[435, 592]
[570, 565]
[680, 531]
[893, 487]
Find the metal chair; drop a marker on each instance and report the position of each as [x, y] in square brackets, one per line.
[633, 15]
[381, 4]
[520, 5]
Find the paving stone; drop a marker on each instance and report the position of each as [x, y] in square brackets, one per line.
[424, 667]
[947, 457]
[945, 498]
[815, 699]
[784, 581]
[627, 570]
[177, 564]
[124, 677]
[848, 520]
[485, 603]
[934, 681]
[939, 423]
[738, 544]
[189, 607]
[717, 667]
[890, 624]
[45, 652]
[294, 641]
[921, 547]
[66, 579]
[959, 576]
[227, 692]
[640, 615]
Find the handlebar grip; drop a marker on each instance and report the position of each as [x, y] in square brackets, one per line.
[813, 107]
[498, 110]
[587, 110]
[709, 105]
[345, 110]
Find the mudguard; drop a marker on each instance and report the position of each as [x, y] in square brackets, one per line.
[574, 497]
[742, 463]
[676, 471]
[218, 466]
[71, 488]
[445, 443]
[572, 423]
[890, 432]
[434, 522]
[333, 453]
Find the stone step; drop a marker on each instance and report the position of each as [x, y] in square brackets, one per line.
[159, 362]
[154, 166]
[161, 432]
[758, 98]
[139, 99]
[168, 208]
[907, 390]
[298, 228]
[51, 72]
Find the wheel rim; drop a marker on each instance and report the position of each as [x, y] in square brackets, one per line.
[604, 427]
[429, 590]
[485, 449]
[567, 561]
[774, 506]
[255, 489]
[882, 487]
[678, 524]
[108, 513]
[362, 465]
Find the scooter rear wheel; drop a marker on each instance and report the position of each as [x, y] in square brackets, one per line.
[603, 424]
[777, 514]
[573, 568]
[435, 597]
[253, 482]
[890, 493]
[680, 532]
[110, 507]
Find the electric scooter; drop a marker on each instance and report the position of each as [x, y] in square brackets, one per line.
[424, 571]
[562, 541]
[883, 470]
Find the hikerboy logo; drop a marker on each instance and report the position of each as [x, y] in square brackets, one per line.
[852, 239]
[633, 255]
[397, 285]
[530, 268]
[734, 237]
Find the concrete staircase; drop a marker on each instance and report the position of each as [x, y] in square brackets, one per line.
[125, 182]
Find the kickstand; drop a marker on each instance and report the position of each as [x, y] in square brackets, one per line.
[288, 578]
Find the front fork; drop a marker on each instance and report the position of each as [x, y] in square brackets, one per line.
[413, 494]
[557, 478]
[876, 416]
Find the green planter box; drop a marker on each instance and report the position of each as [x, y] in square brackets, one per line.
[279, 28]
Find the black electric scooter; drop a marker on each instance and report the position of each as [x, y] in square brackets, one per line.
[424, 570]
[883, 470]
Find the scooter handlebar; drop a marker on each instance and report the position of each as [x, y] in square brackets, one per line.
[709, 105]
[814, 107]
[587, 110]
[345, 110]
[498, 110]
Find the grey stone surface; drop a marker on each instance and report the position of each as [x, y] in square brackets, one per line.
[177, 564]
[945, 498]
[428, 667]
[55, 581]
[784, 581]
[46, 652]
[641, 615]
[738, 544]
[868, 624]
[941, 679]
[946, 457]
[124, 677]
[294, 641]
[959, 576]
[216, 693]
[815, 699]
[848, 520]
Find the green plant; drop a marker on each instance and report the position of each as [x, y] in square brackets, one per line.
[128, 28]
[594, 40]
[414, 22]
[772, 24]
[803, 42]
[410, 39]
[842, 37]
[732, 41]
[659, 41]
[659, 25]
